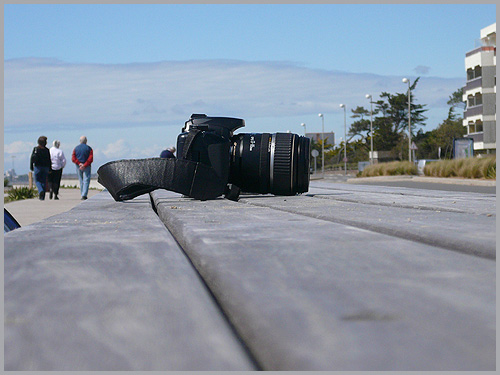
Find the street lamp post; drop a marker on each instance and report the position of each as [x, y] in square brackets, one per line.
[345, 144]
[305, 135]
[368, 96]
[406, 80]
[322, 144]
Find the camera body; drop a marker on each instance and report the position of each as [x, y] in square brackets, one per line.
[254, 162]
[213, 161]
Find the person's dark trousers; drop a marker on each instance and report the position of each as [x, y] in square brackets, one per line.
[55, 182]
[41, 174]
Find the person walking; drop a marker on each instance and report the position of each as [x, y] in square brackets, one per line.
[58, 161]
[40, 165]
[83, 157]
[168, 153]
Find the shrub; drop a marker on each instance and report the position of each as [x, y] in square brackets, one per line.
[491, 169]
[488, 167]
[390, 169]
[404, 168]
[469, 169]
[23, 192]
[448, 170]
[484, 167]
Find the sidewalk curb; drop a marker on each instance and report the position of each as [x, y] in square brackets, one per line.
[439, 180]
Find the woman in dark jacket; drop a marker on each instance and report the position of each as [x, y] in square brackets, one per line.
[40, 164]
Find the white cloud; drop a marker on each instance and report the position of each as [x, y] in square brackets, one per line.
[121, 149]
[19, 147]
[136, 110]
[41, 93]
[422, 69]
[117, 149]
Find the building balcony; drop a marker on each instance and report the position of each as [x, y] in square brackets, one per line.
[473, 83]
[473, 111]
[482, 49]
[477, 137]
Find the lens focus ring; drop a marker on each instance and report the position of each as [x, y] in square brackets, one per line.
[282, 164]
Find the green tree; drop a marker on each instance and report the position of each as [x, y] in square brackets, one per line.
[384, 137]
[316, 145]
[390, 124]
[359, 127]
[446, 132]
[429, 143]
[456, 101]
[398, 110]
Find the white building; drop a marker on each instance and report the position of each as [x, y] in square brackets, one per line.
[480, 92]
[328, 137]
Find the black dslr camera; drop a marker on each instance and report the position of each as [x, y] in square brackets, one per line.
[257, 163]
[212, 161]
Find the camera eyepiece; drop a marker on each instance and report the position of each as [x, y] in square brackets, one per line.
[224, 126]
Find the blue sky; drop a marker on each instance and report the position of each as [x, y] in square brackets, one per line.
[128, 76]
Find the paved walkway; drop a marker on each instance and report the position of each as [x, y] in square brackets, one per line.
[437, 180]
[33, 210]
[29, 211]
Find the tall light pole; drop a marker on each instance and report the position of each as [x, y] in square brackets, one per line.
[406, 80]
[322, 144]
[368, 96]
[304, 125]
[345, 144]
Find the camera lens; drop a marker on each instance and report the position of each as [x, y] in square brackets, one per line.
[270, 163]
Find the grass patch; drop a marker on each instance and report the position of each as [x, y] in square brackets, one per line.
[484, 167]
[392, 168]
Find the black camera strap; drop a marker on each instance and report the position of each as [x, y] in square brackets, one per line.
[127, 179]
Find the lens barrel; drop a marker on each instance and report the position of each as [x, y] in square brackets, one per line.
[275, 163]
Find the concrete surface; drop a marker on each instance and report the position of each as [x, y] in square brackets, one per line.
[345, 277]
[106, 287]
[430, 217]
[308, 291]
[429, 183]
[32, 211]
[439, 180]
[29, 211]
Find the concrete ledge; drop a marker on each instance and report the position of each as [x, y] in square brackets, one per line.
[308, 292]
[451, 220]
[29, 211]
[106, 287]
[458, 181]
[440, 180]
[345, 277]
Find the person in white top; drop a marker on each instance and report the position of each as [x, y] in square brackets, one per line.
[58, 162]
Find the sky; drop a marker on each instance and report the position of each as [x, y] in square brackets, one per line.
[129, 76]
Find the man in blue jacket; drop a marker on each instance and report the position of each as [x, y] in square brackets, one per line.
[83, 157]
[168, 153]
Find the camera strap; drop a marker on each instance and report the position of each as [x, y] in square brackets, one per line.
[127, 179]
